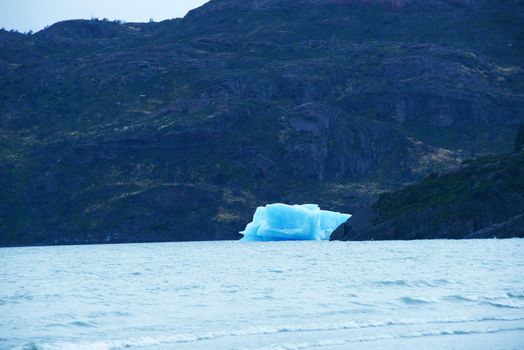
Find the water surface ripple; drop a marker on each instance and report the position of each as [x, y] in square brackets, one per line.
[282, 295]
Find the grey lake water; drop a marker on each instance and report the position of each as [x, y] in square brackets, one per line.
[281, 295]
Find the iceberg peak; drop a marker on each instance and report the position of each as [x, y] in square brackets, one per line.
[283, 222]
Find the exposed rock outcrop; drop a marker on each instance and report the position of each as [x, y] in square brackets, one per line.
[485, 199]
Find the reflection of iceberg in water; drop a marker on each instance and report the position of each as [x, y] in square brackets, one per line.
[282, 222]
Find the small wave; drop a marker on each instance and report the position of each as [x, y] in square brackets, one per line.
[417, 300]
[505, 304]
[516, 295]
[387, 283]
[459, 332]
[462, 298]
[340, 342]
[276, 271]
[441, 282]
[83, 324]
[505, 301]
[16, 298]
[255, 331]
[502, 301]
[414, 283]
[433, 283]
[74, 324]
[101, 314]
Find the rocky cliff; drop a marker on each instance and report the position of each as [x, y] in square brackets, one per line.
[484, 199]
[131, 132]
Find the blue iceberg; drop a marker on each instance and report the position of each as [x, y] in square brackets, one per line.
[282, 222]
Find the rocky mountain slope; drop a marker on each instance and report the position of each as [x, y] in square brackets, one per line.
[130, 132]
[484, 199]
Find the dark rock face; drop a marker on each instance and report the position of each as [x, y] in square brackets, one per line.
[107, 129]
[264, 5]
[485, 199]
[513, 227]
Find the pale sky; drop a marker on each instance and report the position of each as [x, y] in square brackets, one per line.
[25, 15]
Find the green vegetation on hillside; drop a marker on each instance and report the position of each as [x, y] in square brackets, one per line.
[477, 180]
